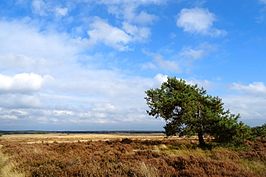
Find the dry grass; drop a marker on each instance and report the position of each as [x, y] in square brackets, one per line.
[7, 168]
[115, 156]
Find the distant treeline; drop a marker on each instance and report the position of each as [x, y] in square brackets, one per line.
[76, 132]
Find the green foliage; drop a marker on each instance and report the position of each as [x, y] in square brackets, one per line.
[259, 131]
[230, 131]
[188, 110]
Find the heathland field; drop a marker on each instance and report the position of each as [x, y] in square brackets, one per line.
[147, 155]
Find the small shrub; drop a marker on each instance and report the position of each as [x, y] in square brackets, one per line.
[126, 141]
[259, 131]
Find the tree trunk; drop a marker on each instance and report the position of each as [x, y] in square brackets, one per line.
[201, 139]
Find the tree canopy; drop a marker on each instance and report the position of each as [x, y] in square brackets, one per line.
[189, 110]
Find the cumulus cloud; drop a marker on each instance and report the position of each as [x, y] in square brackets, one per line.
[134, 19]
[24, 82]
[198, 21]
[117, 38]
[102, 32]
[136, 22]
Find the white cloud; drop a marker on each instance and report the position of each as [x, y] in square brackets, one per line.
[149, 66]
[20, 62]
[8, 117]
[192, 53]
[250, 101]
[137, 33]
[161, 78]
[61, 11]
[15, 100]
[117, 38]
[142, 18]
[39, 7]
[62, 113]
[130, 15]
[136, 22]
[45, 8]
[180, 61]
[206, 84]
[255, 87]
[104, 107]
[251, 108]
[199, 21]
[25, 39]
[102, 32]
[24, 82]
[166, 64]
[195, 20]
[197, 52]
[159, 62]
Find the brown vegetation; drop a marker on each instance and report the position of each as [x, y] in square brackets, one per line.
[129, 157]
[7, 167]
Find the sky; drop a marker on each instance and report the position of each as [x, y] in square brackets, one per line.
[85, 64]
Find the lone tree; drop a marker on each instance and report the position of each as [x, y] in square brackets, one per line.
[188, 110]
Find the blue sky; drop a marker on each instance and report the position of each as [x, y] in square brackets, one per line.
[84, 64]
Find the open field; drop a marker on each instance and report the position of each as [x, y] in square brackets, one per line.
[62, 155]
[64, 138]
